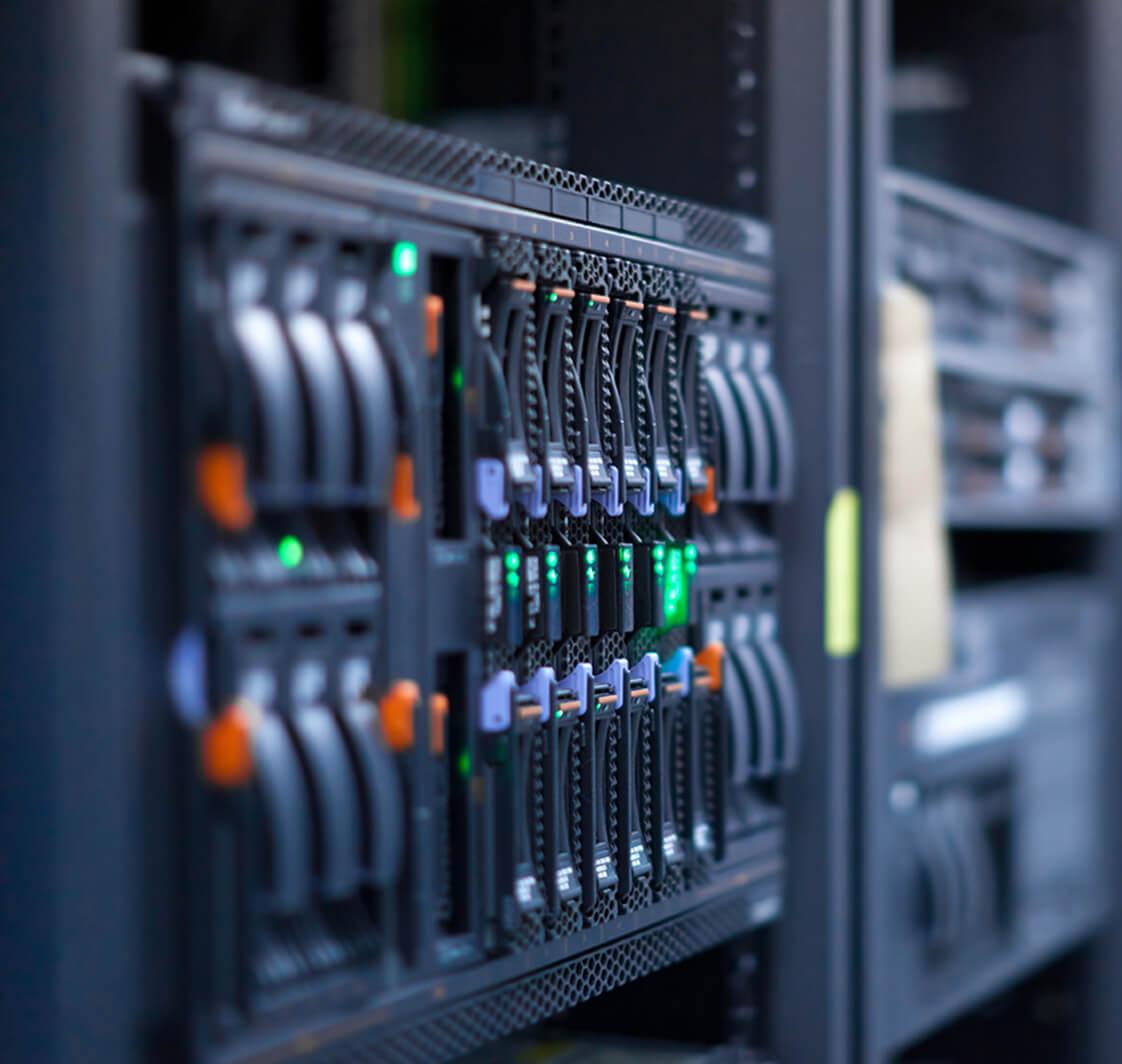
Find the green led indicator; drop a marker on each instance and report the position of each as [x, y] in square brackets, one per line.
[627, 572]
[591, 574]
[457, 379]
[404, 258]
[590, 555]
[625, 554]
[512, 559]
[551, 558]
[691, 568]
[512, 579]
[559, 714]
[659, 568]
[676, 602]
[551, 576]
[659, 551]
[553, 297]
[592, 302]
[691, 552]
[290, 551]
[463, 763]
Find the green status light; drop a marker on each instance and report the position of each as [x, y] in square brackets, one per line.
[551, 576]
[512, 579]
[676, 600]
[463, 763]
[590, 555]
[404, 258]
[457, 379]
[659, 551]
[591, 574]
[625, 554]
[553, 297]
[551, 558]
[290, 551]
[512, 559]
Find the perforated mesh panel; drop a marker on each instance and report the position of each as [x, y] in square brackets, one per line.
[568, 923]
[496, 658]
[589, 271]
[687, 291]
[606, 908]
[571, 653]
[658, 282]
[442, 1035]
[647, 527]
[530, 932]
[625, 277]
[608, 528]
[553, 263]
[607, 649]
[673, 884]
[642, 642]
[671, 640]
[532, 657]
[511, 254]
[349, 135]
[639, 897]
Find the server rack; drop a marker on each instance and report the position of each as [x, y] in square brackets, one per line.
[1083, 1036]
[103, 852]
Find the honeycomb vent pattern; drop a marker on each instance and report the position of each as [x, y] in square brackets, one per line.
[476, 1021]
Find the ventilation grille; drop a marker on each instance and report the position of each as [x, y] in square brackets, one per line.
[443, 1035]
[348, 135]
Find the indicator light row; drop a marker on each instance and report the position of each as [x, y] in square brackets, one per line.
[552, 593]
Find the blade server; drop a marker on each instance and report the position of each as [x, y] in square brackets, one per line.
[481, 667]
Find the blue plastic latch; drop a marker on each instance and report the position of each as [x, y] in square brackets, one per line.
[647, 671]
[612, 499]
[575, 500]
[495, 702]
[675, 501]
[680, 665]
[490, 488]
[540, 686]
[615, 676]
[186, 676]
[533, 501]
[643, 500]
[577, 682]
